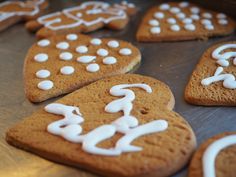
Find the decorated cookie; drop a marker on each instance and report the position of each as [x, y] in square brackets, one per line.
[176, 21]
[118, 126]
[63, 63]
[215, 158]
[213, 80]
[12, 12]
[86, 17]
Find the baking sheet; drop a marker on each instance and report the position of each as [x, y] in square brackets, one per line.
[171, 63]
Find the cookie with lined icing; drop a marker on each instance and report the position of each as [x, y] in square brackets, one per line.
[12, 12]
[213, 80]
[176, 21]
[63, 63]
[215, 157]
[86, 17]
[114, 127]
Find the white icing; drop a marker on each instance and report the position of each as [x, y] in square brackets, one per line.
[72, 37]
[63, 45]
[171, 20]
[164, 6]
[223, 21]
[180, 15]
[221, 16]
[79, 15]
[125, 51]
[96, 41]
[184, 4]
[67, 70]
[41, 57]
[195, 10]
[207, 15]
[43, 73]
[175, 27]
[187, 20]
[209, 27]
[174, 10]
[190, 27]
[66, 56]
[113, 44]
[45, 85]
[159, 15]
[210, 154]
[206, 22]
[94, 67]
[43, 43]
[102, 52]
[195, 17]
[86, 58]
[82, 49]
[153, 22]
[70, 129]
[109, 60]
[155, 30]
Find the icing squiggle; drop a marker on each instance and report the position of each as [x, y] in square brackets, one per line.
[211, 153]
[70, 129]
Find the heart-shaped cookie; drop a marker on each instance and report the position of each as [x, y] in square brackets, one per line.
[11, 12]
[118, 126]
[213, 80]
[176, 21]
[86, 17]
[215, 157]
[64, 63]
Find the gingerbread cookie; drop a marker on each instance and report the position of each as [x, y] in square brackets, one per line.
[176, 21]
[118, 126]
[215, 158]
[213, 80]
[12, 12]
[63, 63]
[86, 17]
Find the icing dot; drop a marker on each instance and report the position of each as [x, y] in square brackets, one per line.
[62, 45]
[183, 4]
[82, 49]
[155, 30]
[96, 41]
[223, 22]
[79, 15]
[72, 37]
[195, 10]
[207, 15]
[195, 17]
[94, 67]
[43, 43]
[187, 21]
[102, 52]
[164, 6]
[66, 56]
[180, 15]
[221, 15]
[113, 44]
[190, 27]
[206, 22]
[86, 59]
[171, 20]
[125, 51]
[159, 15]
[41, 57]
[209, 27]
[175, 27]
[153, 22]
[45, 85]
[109, 60]
[174, 10]
[43, 73]
[67, 70]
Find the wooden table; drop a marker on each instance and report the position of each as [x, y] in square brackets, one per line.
[171, 63]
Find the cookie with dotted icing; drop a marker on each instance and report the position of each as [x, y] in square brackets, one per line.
[60, 64]
[122, 125]
[213, 80]
[86, 17]
[12, 12]
[215, 157]
[176, 21]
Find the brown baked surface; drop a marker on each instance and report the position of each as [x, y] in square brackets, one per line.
[215, 93]
[166, 34]
[68, 83]
[225, 160]
[11, 8]
[163, 153]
